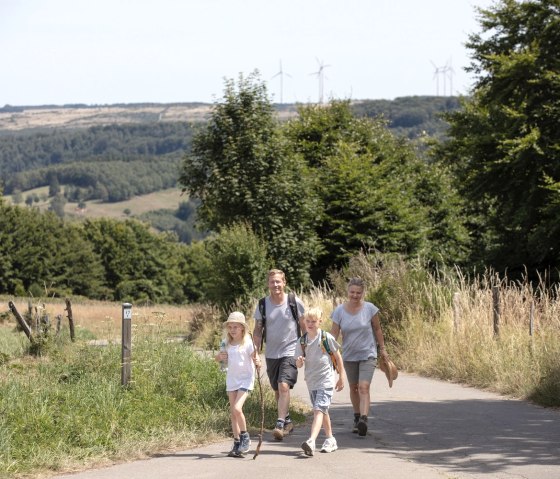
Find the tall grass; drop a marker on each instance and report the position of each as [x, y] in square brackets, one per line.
[441, 324]
[67, 410]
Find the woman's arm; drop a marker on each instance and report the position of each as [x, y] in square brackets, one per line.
[376, 324]
[335, 330]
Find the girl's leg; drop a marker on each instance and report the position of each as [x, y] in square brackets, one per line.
[236, 401]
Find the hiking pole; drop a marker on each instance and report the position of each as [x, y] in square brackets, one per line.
[258, 449]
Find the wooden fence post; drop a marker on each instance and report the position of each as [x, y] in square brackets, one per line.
[21, 321]
[126, 343]
[70, 319]
[496, 309]
[456, 316]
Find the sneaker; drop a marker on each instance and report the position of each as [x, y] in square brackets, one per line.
[288, 428]
[278, 432]
[245, 443]
[235, 450]
[355, 426]
[329, 445]
[362, 426]
[308, 447]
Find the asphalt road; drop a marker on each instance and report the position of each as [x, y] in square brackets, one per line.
[420, 429]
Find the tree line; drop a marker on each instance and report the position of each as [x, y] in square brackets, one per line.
[307, 194]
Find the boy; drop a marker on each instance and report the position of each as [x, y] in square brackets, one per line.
[314, 349]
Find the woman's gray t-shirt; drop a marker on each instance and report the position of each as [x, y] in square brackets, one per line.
[358, 341]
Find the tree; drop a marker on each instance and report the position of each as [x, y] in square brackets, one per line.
[242, 170]
[375, 189]
[504, 144]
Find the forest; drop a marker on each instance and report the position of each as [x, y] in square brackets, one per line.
[459, 182]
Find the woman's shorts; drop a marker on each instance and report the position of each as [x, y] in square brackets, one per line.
[281, 370]
[360, 371]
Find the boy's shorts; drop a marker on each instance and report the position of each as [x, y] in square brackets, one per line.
[282, 370]
[321, 399]
[360, 371]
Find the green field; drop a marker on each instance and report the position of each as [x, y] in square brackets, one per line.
[164, 199]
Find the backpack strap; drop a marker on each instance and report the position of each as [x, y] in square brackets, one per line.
[294, 309]
[327, 349]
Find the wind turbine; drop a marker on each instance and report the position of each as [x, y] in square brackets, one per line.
[449, 72]
[281, 74]
[321, 76]
[437, 72]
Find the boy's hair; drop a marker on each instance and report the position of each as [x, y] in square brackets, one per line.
[315, 313]
[272, 272]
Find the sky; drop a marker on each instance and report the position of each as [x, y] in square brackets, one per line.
[101, 52]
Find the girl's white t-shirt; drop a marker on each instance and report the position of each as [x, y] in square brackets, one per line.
[241, 370]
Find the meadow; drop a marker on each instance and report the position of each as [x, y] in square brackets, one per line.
[65, 409]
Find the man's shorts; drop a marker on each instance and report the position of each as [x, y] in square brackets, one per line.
[321, 399]
[360, 371]
[281, 370]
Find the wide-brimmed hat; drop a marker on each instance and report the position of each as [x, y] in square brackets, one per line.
[236, 317]
[390, 370]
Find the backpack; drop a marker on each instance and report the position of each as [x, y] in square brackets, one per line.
[293, 308]
[324, 346]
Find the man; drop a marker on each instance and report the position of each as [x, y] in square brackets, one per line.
[280, 329]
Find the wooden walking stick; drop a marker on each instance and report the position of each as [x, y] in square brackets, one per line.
[261, 396]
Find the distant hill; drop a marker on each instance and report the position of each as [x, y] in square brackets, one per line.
[96, 155]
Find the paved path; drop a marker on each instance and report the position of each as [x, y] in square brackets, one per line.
[420, 429]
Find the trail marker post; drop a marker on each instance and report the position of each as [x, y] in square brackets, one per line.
[126, 343]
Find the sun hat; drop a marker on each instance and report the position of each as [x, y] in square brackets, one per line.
[236, 317]
[390, 370]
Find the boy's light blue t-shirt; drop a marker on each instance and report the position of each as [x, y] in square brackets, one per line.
[319, 371]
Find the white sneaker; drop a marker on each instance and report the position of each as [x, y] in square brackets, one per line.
[308, 447]
[329, 445]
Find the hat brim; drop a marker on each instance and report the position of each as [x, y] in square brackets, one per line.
[390, 370]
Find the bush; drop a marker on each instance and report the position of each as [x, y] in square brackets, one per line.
[238, 266]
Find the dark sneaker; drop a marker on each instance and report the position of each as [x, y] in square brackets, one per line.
[288, 428]
[245, 443]
[362, 426]
[355, 426]
[235, 449]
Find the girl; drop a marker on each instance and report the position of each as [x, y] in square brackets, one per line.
[241, 358]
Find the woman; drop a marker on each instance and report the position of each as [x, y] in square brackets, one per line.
[358, 321]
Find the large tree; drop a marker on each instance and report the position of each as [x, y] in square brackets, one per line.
[505, 143]
[375, 189]
[242, 170]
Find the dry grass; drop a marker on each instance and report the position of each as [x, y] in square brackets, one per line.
[164, 199]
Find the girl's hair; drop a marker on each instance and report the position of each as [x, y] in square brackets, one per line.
[357, 282]
[315, 313]
[246, 339]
